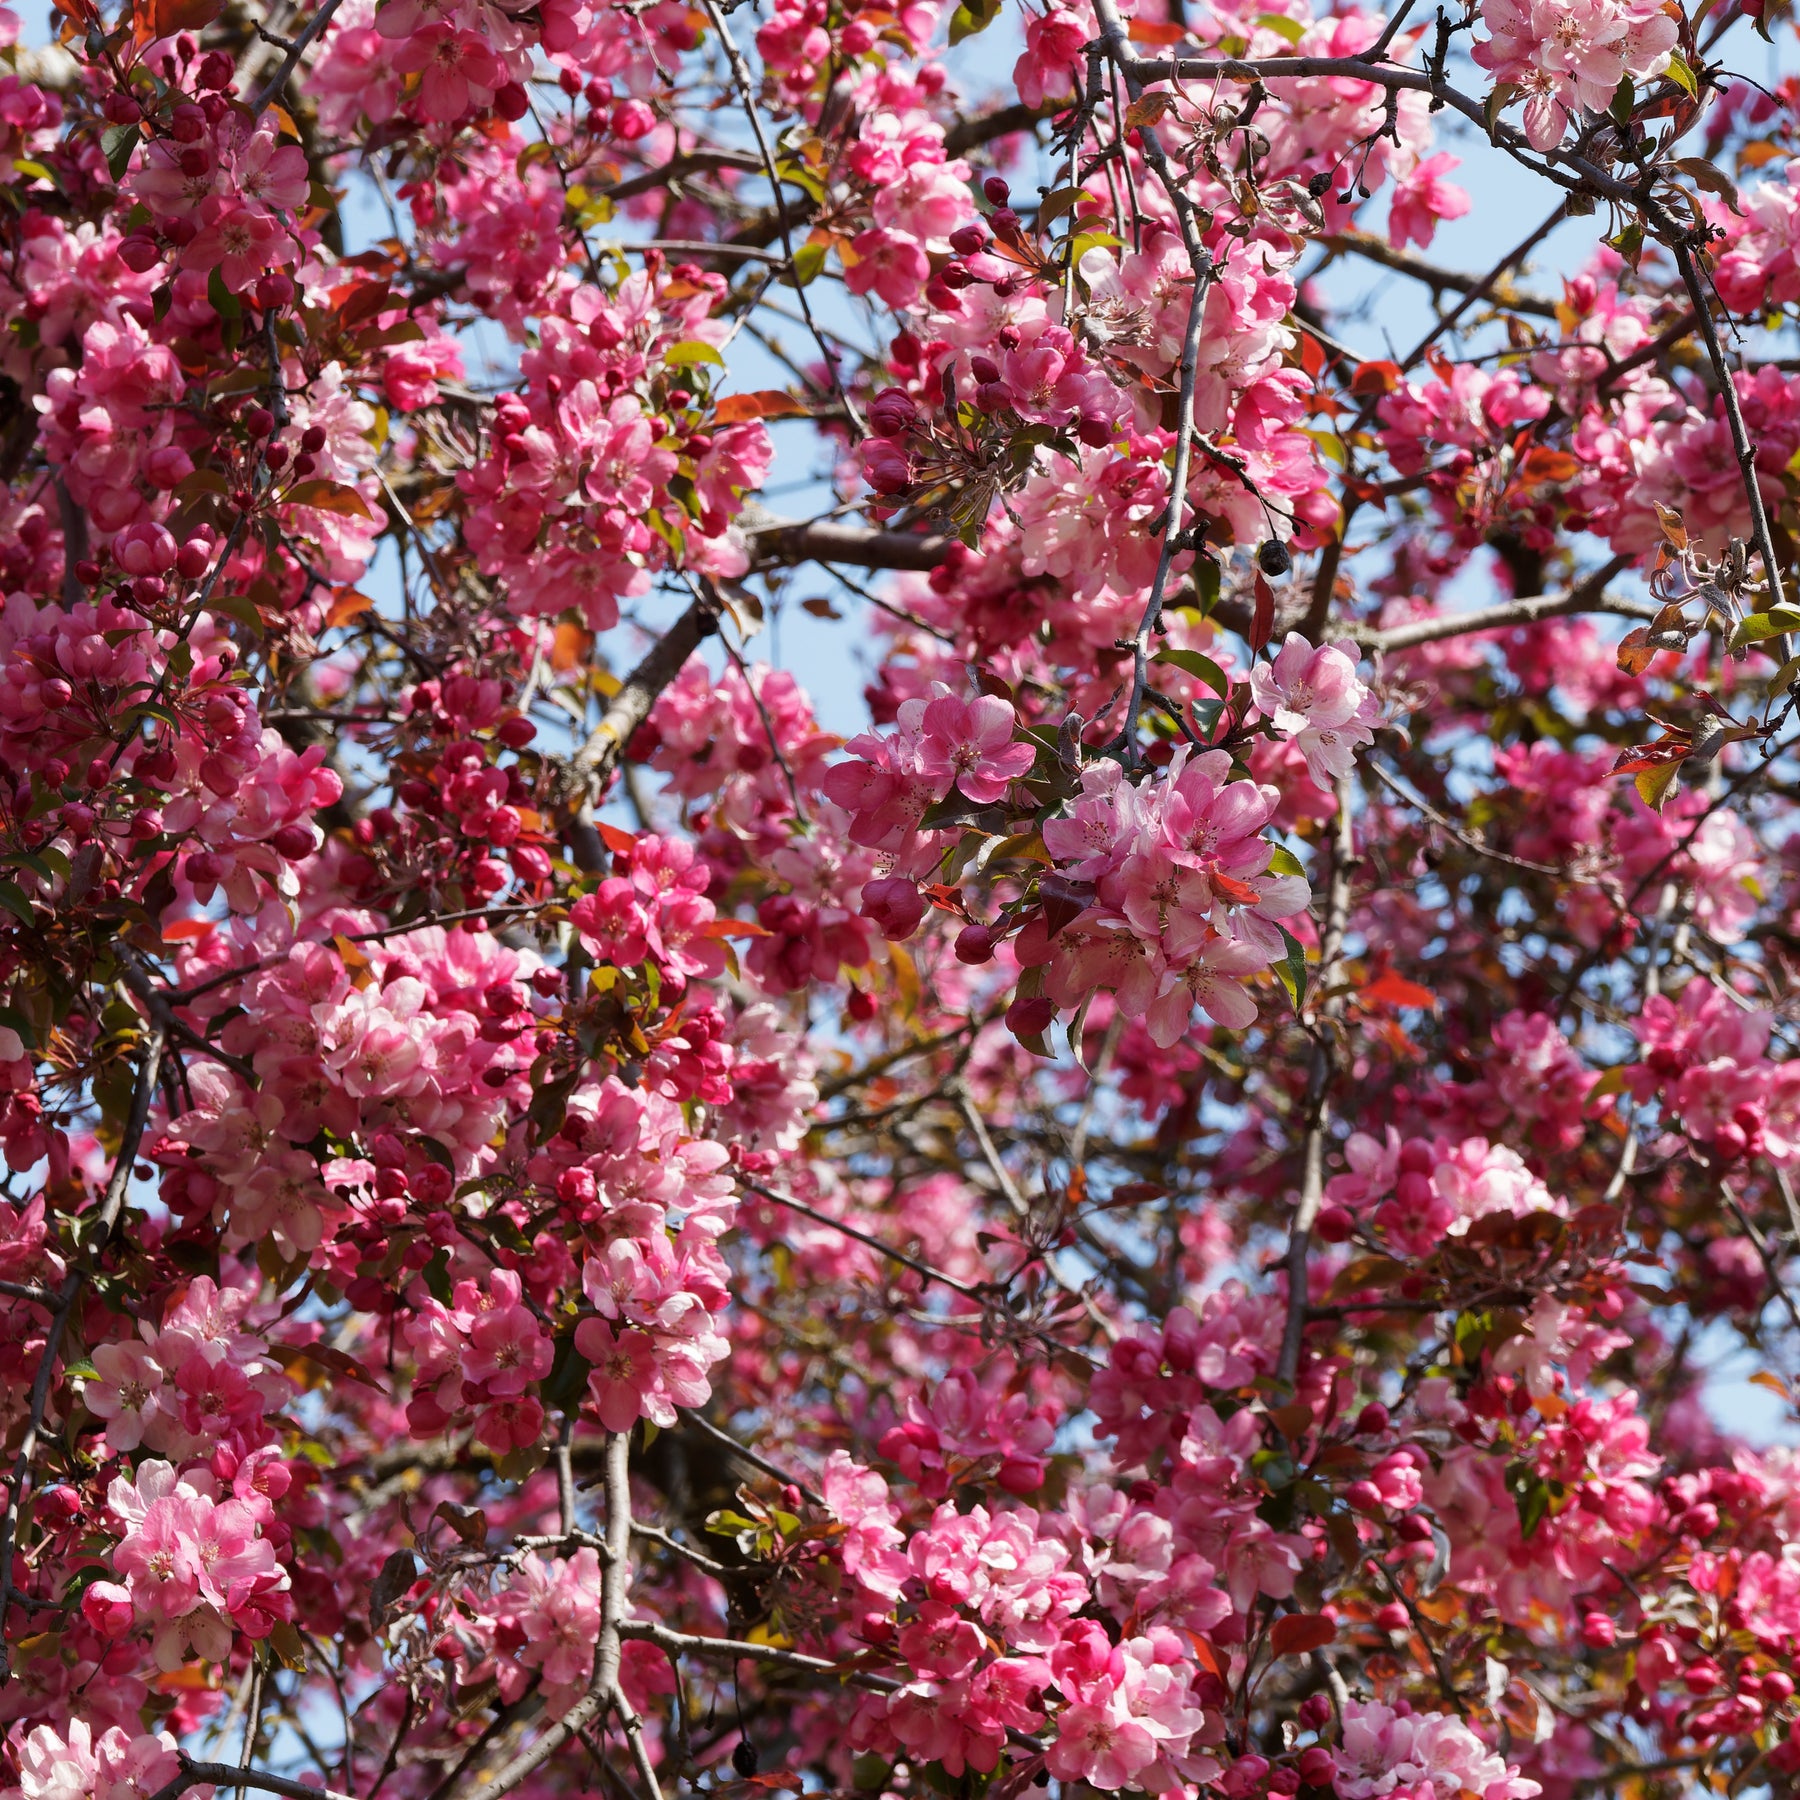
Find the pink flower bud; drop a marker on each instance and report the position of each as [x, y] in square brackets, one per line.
[293, 842]
[145, 549]
[895, 907]
[975, 944]
[1026, 1017]
[1317, 1767]
[1334, 1224]
[631, 120]
[107, 1607]
[893, 413]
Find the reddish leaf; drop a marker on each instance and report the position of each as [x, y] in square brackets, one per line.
[1293, 1421]
[363, 300]
[347, 605]
[765, 403]
[329, 496]
[1660, 755]
[1065, 900]
[1375, 378]
[1147, 109]
[734, 928]
[334, 1360]
[1233, 889]
[1298, 1633]
[164, 18]
[1636, 652]
[1262, 623]
[1395, 990]
[1152, 31]
[1549, 465]
[620, 843]
[945, 898]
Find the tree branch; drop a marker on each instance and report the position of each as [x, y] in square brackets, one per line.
[831, 540]
[1318, 1088]
[291, 61]
[99, 1235]
[1403, 262]
[1587, 596]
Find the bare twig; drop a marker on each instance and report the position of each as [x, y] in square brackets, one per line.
[740, 73]
[1586, 596]
[98, 1235]
[1318, 1087]
[290, 62]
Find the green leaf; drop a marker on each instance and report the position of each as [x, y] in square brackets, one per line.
[1786, 676]
[1202, 668]
[1710, 177]
[728, 1524]
[1093, 240]
[804, 179]
[1653, 784]
[1283, 861]
[567, 1380]
[224, 302]
[436, 1276]
[1761, 625]
[686, 355]
[971, 17]
[1291, 971]
[117, 143]
[17, 1021]
[12, 897]
[240, 607]
[1282, 26]
[1206, 584]
[1531, 1495]
[1060, 201]
[1682, 76]
[809, 265]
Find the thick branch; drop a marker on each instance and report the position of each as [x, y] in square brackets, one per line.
[225, 1775]
[681, 1643]
[831, 540]
[1587, 596]
[291, 61]
[1318, 1087]
[1403, 262]
[99, 1235]
[1741, 446]
[615, 1602]
[599, 756]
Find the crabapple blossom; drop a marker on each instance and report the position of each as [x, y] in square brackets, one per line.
[1171, 1189]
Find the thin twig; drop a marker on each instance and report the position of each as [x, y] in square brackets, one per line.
[1318, 1087]
[291, 61]
[99, 1234]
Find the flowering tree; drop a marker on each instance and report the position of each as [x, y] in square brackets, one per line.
[1160, 1220]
